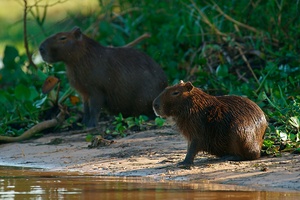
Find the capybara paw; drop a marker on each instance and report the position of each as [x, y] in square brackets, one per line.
[185, 165]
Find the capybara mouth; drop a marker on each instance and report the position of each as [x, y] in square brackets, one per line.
[156, 109]
[156, 113]
[46, 55]
[45, 58]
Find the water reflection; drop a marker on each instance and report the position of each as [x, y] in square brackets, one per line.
[29, 184]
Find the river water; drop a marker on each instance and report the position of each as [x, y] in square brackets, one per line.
[22, 183]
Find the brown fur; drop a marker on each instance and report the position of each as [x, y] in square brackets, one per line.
[120, 80]
[220, 125]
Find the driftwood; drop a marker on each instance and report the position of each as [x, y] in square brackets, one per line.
[36, 128]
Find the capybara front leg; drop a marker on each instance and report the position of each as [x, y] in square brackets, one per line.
[192, 151]
[95, 105]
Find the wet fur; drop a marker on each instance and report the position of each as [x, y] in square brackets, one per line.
[219, 125]
[119, 80]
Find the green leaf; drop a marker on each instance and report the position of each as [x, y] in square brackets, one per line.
[33, 93]
[10, 54]
[41, 75]
[130, 124]
[143, 118]
[293, 137]
[268, 143]
[88, 137]
[22, 92]
[40, 102]
[222, 71]
[3, 99]
[283, 136]
[159, 121]
[294, 121]
[120, 128]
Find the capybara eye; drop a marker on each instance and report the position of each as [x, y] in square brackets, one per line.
[62, 38]
[175, 93]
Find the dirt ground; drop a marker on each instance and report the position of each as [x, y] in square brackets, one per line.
[152, 154]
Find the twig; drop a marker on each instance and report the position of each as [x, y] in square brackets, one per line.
[137, 40]
[124, 12]
[241, 77]
[235, 21]
[25, 37]
[100, 18]
[206, 20]
[247, 63]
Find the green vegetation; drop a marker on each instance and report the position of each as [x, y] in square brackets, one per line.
[247, 48]
[121, 125]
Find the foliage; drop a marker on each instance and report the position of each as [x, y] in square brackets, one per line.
[222, 46]
[122, 125]
[19, 98]
[22, 103]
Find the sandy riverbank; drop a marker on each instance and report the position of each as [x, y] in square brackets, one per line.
[153, 154]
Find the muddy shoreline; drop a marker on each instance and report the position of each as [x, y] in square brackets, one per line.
[151, 154]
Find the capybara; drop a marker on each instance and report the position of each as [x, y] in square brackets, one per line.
[220, 125]
[118, 80]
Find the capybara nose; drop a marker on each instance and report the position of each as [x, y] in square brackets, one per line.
[42, 49]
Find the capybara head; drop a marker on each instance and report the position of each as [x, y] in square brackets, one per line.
[172, 101]
[58, 47]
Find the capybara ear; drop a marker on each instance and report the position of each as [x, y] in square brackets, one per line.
[77, 33]
[189, 86]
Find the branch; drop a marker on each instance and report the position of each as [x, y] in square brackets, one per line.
[248, 64]
[205, 19]
[235, 21]
[137, 40]
[240, 76]
[25, 36]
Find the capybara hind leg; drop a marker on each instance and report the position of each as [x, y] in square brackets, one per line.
[251, 150]
[188, 162]
[252, 155]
